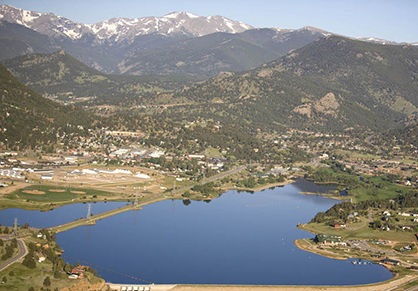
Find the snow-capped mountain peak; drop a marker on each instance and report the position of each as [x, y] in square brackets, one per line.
[19, 16]
[176, 15]
[172, 23]
[45, 23]
[121, 29]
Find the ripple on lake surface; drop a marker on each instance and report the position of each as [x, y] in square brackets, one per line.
[239, 238]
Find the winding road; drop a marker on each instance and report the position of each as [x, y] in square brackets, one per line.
[22, 252]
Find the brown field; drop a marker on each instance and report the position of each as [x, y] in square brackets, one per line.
[12, 188]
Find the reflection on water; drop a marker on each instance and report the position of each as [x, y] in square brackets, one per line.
[308, 186]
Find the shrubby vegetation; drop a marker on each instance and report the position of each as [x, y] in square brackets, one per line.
[29, 120]
[340, 211]
[253, 181]
[205, 189]
[10, 248]
[359, 187]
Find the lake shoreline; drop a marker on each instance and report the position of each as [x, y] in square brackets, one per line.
[391, 284]
[53, 205]
[184, 287]
[260, 188]
[303, 245]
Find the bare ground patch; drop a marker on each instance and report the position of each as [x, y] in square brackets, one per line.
[34, 192]
[78, 192]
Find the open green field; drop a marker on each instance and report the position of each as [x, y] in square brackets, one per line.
[360, 187]
[377, 187]
[360, 230]
[47, 193]
[356, 155]
[42, 196]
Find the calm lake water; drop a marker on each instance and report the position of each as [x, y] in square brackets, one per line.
[67, 213]
[239, 238]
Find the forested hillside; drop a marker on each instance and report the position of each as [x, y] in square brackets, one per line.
[29, 120]
[332, 84]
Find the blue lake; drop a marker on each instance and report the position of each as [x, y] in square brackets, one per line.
[67, 213]
[238, 238]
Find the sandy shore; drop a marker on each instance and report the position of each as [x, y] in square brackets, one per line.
[303, 245]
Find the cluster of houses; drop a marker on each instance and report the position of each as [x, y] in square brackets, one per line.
[14, 173]
[130, 154]
[329, 240]
[336, 240]
[41, 247]
[379, 167]
[406, 214]
[322, 145]
[386, 215]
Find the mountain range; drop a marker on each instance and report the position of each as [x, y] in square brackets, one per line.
[117, 30]
[333, 84]
[257, 79]
[62, 77]
[177, 43]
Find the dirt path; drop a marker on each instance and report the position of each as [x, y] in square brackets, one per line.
[11, 188]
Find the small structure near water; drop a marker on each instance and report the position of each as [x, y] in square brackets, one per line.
[129, 287]
[329, 239]
[392, 262]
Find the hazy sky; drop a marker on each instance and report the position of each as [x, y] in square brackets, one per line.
[395, 20]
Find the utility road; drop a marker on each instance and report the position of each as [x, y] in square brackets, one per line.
[22, 252]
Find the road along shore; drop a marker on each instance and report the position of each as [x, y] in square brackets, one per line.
[398, 283]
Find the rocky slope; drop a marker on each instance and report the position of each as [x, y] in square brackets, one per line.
[335, 84]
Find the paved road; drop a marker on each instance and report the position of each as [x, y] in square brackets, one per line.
[92, 219]
[22, 252]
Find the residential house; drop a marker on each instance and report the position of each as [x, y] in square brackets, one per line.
[392, 262]
[329, 239]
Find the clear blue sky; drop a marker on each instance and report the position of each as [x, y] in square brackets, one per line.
[395, 20]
